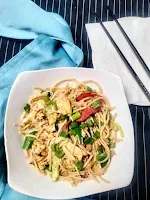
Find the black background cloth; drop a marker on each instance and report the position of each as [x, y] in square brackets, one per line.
[77, 13]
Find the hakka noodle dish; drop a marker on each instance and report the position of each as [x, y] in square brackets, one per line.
[69, 131]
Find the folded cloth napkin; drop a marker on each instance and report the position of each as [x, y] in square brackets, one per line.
[105, 57]
[52, 46]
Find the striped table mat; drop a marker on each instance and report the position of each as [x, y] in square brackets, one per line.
[77, 13]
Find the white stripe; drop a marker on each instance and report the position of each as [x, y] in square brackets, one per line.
[116, 194]
[40, 3]
[59, 6]
[65, 9]
[46, 5]
[53, 5]
[107, 10]
[95, 10]
[131, 192]
[13, 50]
[148, 8]
[71, 12]
[137, 9]
[99, 196]
[1, 42]
[124, 193]
[136, 151]
[20, 46]
[131, 7]
[76, 25]
[88, 52]
[125, 8]
[5, 58]
[108, 196]
[145, 161]
[143, 8]
[101, 10]
[82, 24]
[149, 113]
[119, 8]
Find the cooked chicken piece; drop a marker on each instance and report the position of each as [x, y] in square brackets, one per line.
[64, 106]
[51, 115]
[68, 154]
[79, 153]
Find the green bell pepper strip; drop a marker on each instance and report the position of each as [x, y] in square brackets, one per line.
[46, 100]
[29, 141]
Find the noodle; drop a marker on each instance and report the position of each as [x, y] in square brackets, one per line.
[64, 148]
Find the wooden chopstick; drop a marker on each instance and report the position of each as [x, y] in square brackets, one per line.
[139, 82]
[129, 41]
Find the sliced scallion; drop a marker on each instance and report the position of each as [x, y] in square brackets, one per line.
[75, 116]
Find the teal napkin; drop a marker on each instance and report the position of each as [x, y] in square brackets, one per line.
[52, 46]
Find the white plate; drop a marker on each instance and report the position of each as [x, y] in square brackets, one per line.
[25, 179]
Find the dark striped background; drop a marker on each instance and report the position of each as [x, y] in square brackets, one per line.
[77, 13]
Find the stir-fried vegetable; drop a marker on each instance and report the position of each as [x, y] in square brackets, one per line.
[87, 112]
[101, 157]
[95, 120]
[86, 94]
[78, 132]
[72, 132]
[63, 134]
[96, 104]
[75, 116]
[53, 147]
[46, 100]
[56, 124]
[96, 135]
[103, 164]
[89, 89]
[79, 165]
[89, 140]
[55, 168]
[89, 123]
[29, 141]
[84, 125]
[27, 108]
[112, 145]
[74, 125]
[58, 151]
[101, 150]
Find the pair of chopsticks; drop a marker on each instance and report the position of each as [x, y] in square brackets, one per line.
[139, 82]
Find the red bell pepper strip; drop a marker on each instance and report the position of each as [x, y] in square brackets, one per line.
[101, 101]
[86, 94]
[87, 112]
